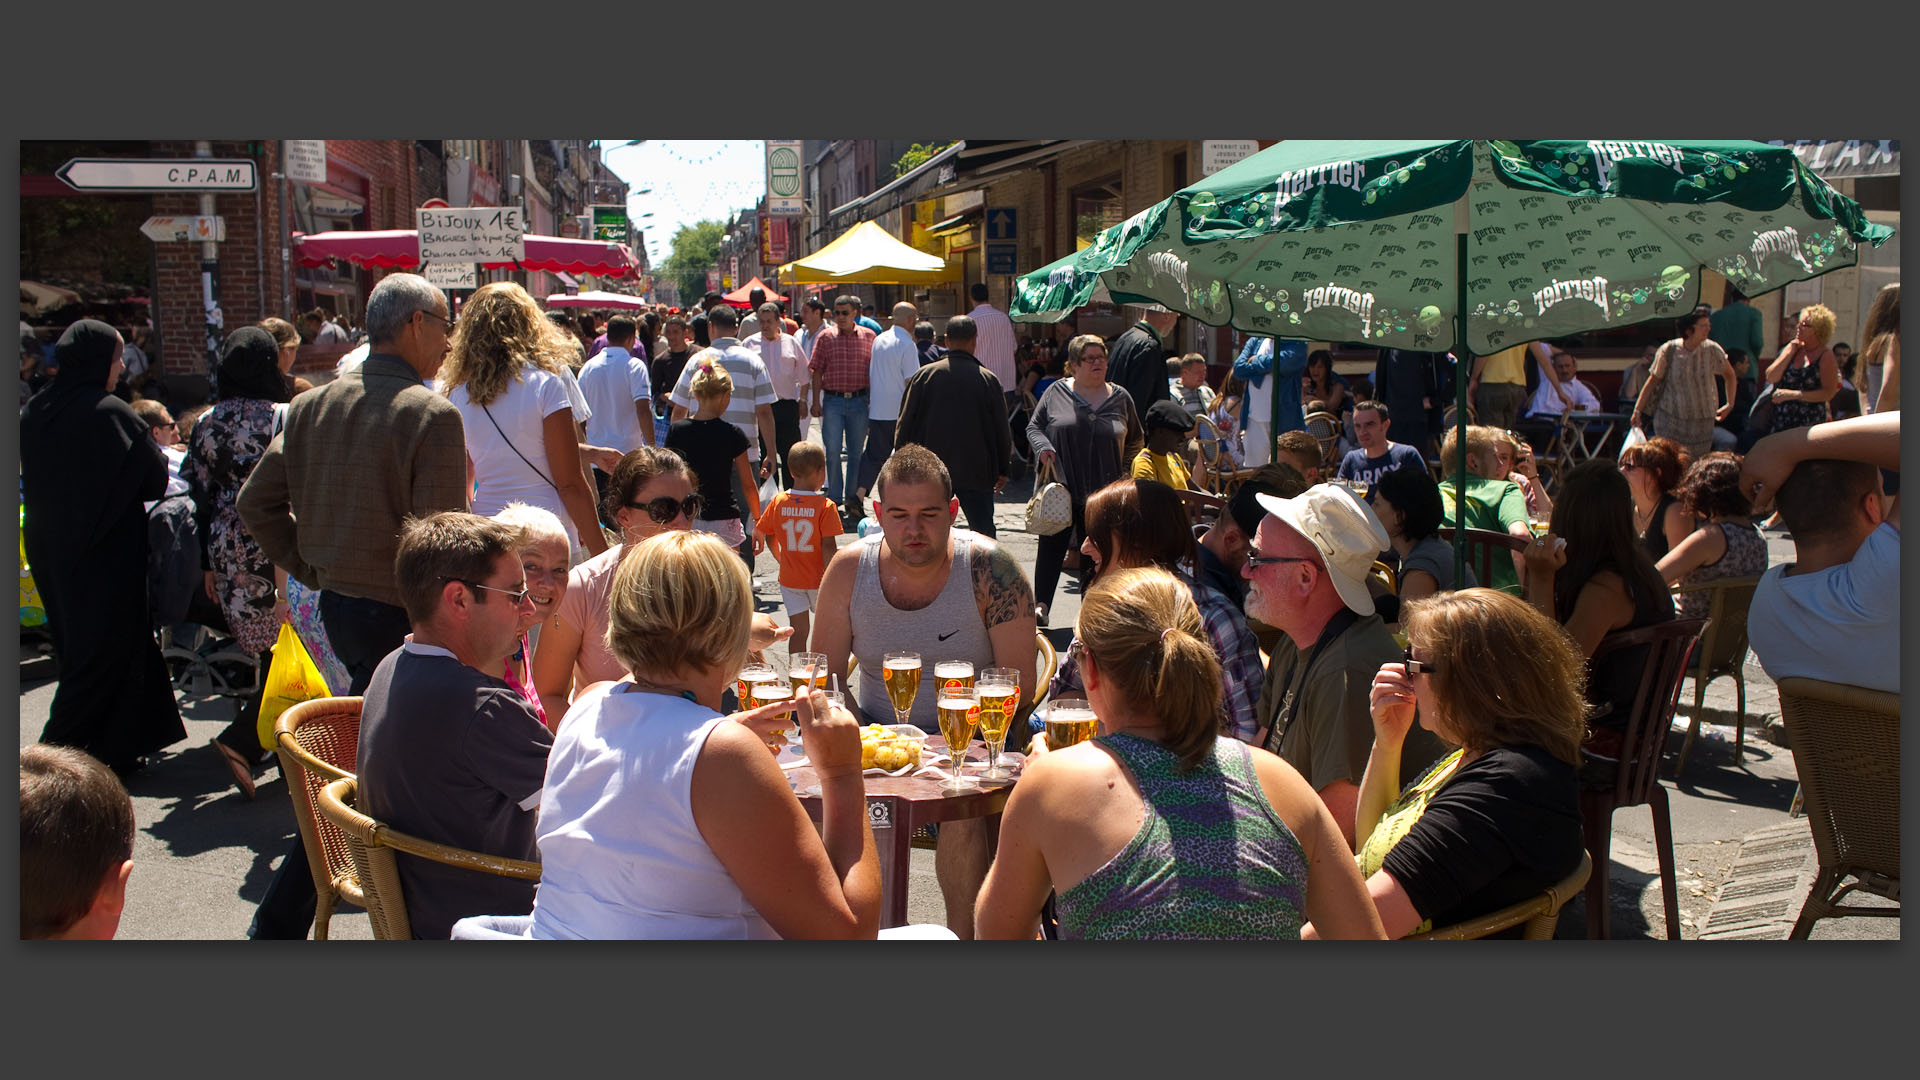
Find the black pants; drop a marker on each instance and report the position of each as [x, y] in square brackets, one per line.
[879, 447]
[362, 633]
[786, 432]
[1051, 552]
[977, 504]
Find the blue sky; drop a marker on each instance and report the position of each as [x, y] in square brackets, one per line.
[691, 181]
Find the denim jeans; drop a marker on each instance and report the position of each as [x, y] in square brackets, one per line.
[843, 428]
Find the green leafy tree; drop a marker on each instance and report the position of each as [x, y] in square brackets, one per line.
[917, 155]
[695, 248]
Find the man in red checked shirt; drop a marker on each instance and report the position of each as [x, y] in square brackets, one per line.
[839, 398]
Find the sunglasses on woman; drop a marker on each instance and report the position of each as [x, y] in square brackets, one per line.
[1418, 667]
[664, 510]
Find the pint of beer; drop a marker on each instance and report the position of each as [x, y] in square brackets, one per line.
[1070, 721]
[807, 672]
[750, 676]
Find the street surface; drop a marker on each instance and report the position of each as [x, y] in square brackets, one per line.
[204, 854]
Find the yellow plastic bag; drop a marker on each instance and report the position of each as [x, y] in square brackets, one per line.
[292, 679]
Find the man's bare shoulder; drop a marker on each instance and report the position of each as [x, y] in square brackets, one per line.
[999, 585]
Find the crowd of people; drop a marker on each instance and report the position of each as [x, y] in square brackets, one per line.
[527, 543]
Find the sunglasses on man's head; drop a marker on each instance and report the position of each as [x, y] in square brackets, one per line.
[664, 510]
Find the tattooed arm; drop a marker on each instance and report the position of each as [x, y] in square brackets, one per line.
[1001, 589]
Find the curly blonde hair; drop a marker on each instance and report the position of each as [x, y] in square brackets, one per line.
[1821, 318]
[501, 329]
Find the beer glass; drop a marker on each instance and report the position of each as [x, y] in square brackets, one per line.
[750, 675]
[807, 671]
[999, 689]
[958, 706]
[1070, 721]
[900, 673]
[953, 673]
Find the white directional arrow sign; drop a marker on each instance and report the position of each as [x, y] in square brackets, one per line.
[195, 227]
[146, 174]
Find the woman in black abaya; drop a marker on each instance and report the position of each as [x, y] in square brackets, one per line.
[86, 465]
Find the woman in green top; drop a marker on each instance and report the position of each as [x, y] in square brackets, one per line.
[1498, 820]
[1161, 827]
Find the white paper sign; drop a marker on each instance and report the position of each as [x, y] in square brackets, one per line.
[452, 275]
[472, 234]
[307, 160]
[1217, 154]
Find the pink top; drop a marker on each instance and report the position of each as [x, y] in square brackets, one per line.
[589, 592]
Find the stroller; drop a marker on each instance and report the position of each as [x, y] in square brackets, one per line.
[195, 640]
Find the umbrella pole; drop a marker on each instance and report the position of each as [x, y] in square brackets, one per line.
[1463, 363]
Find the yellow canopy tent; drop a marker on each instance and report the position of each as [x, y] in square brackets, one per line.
[868, 253]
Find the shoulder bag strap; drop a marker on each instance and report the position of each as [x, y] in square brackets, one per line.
[1283, 719]
[516, 450]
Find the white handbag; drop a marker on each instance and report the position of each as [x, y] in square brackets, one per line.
[1051, 508]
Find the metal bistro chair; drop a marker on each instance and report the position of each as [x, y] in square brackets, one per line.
[1203, 509]
[1636, 779]
[1483, 546]
[1540, 914]
[1722, 651]
[319, 742]
[1846, 747]
[372, 845]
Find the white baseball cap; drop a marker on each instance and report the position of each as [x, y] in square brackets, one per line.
[1343, 528]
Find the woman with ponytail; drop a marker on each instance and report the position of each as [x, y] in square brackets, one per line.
[1160, 827]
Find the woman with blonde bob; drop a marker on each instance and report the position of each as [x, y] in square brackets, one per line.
[1161, 828]
[1498, 820]
[505, 371]
[662, 818]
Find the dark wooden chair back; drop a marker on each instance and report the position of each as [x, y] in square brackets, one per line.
[1654, 702]
[1483, 546]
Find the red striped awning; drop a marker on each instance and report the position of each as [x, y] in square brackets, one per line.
[399, 249]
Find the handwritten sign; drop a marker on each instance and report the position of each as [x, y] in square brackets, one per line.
[451, 275]
[472, 234]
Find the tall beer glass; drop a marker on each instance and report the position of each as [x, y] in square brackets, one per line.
[958, 707]
[900, 673]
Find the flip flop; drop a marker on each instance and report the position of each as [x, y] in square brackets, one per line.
[238, 765]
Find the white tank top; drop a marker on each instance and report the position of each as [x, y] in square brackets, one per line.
[620, 855]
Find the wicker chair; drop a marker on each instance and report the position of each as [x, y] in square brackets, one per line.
[1722, 651]
[1846, 747]
[1217, 472]
[1636, 780]
[1384, 574]
[1325, 429]
[318, 742]
[372, 845]
[1541, 913]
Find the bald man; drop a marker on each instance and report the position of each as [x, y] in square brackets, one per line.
[896, 356]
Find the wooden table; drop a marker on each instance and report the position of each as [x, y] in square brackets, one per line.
[897, 805]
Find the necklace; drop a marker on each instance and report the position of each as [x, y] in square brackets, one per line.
[660, 688]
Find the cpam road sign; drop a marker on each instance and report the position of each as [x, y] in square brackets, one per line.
[194, 227]
[147, 174]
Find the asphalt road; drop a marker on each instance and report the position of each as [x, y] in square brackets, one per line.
[204, 854]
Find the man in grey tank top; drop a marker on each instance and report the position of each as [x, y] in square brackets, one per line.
[947, 594]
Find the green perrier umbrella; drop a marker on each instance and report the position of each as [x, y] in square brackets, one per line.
[1392, 243]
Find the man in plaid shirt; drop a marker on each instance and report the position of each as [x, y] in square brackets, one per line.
[839, 397]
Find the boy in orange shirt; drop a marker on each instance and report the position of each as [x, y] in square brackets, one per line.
[799, 527]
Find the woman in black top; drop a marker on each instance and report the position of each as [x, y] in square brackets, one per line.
[1599, 582]
[1653, 470]
[1498, 820]
[717, 451]
[86, 466]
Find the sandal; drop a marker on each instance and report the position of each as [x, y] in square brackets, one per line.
[238, 765]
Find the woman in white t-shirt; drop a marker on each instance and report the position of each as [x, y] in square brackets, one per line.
[505, 372]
